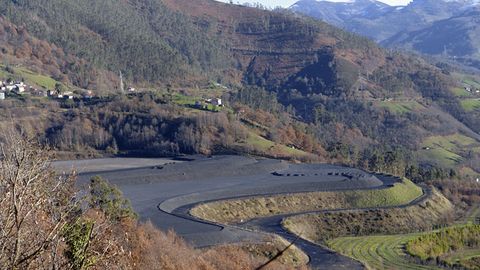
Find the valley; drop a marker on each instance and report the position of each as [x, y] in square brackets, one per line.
[180, 135]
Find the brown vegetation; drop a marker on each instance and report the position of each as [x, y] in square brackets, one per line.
[34, 206]
[462, 193]
[320, 227]
[47, 58]
[293, 256]
[44, 227]
[240, 210]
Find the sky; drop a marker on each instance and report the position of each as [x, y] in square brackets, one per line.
[287, 3]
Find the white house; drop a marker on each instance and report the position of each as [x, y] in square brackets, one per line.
[87, 94]
[19, 88]
[51, 93]
[2, 95]
[217, 102]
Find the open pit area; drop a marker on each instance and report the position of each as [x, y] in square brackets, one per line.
[165, 191]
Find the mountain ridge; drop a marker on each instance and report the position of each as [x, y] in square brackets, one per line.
[349, 93]
[382, 21]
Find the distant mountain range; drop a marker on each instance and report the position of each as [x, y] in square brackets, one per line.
[457, 36]
[436, 27]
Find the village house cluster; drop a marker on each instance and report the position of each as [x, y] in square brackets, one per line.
[21, 88]
[212, 101]
[11, 86]
[470, 89]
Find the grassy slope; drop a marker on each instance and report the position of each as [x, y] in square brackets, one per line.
[469, 101]
[471, 104]
[447, 150]
[232, 211]
[254, 140]
[261, 144]
[30, 77]
[461, 92]
[377, 252]
[36, 79]
[321, 227]
[387, 251]
[400, 107]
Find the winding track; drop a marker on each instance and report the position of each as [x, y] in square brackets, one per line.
[174, 186]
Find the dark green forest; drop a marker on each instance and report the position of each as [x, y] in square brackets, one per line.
[143, 39]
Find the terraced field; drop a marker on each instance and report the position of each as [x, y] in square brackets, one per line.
[378, 252]
[387, 251]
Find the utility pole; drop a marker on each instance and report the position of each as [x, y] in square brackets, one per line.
[122, 85]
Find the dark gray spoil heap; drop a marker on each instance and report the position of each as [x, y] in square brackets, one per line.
[163, 190]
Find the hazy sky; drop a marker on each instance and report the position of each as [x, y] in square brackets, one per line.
[287, 3]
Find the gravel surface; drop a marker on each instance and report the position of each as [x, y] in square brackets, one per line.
[107, 164]
[162, 190]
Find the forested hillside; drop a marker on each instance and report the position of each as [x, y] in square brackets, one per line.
[348, 99]
[143, 39]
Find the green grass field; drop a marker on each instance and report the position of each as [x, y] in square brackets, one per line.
[460, 92]
[447, 150]
[400, 107]
[467, 79]
[399, 194]
[388, 251]
[378, 252]
[30, 77]
[262, 144]
[473, 81]
[471, 104]
[190, 101]
[36, 79]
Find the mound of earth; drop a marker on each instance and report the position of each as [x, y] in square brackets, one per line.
[240, 210]
[322, 226]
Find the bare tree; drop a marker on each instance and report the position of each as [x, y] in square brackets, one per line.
[34, 205]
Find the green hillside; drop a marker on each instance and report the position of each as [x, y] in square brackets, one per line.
[345, 97]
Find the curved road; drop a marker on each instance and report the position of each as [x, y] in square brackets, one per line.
[174, 186]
